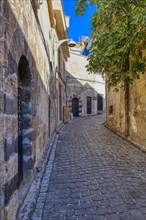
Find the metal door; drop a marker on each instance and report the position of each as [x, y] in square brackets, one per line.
[75, 103]
[89, 105]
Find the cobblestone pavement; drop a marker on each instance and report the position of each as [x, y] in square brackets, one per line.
[95, 175]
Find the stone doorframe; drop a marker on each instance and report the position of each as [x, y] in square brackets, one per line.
[75, 106]
[25, 129]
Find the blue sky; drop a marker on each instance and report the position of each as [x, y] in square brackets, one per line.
[81, 25]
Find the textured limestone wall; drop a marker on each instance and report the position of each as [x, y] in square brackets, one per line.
[66, 114]
[116, 110]
[20, 36]
[136, 115]
[60, 85]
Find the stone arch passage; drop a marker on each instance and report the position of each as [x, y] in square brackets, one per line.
[25, 161]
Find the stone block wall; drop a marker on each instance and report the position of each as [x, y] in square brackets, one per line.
[136, 115]
[21, 39]
[116, 110]
[66, 114]
[137, 111]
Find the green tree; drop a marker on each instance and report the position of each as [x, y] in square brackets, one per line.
[119, 39]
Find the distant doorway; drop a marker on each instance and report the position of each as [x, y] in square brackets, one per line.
[89, 105]
[100, 102]
[75, 105]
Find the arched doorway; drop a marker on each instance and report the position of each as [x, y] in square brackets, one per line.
[75, 104]
[24, 114]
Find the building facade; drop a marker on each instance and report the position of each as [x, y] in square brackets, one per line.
[85, 92]
[31, 92]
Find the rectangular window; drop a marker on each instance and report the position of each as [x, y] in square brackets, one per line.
[111, 109]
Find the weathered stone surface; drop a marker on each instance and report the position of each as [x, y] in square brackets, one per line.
[25, 25]
[2, 175]
[12, 207]
[116, 120]
[12, 166]
[10, 147]
[28, 176]
[1, 102]
[26, 95]
[29, 204]
[12, 65]
[6, 10]
[19, 34]
[2, 56]
[10, 188]
[2, 214]
[10, 104]
[1, 127]
[27, 147]
[28, 133]
[16, 143]
[17, 40]
[28, 162]
[8, 126]
[1, 150]
[10, 83]
[66, 114]
[26, 108]
[26, 121]
[2, 199]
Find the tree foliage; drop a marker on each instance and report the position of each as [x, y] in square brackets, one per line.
[119, 38]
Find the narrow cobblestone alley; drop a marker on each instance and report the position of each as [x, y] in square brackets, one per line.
[95, 175]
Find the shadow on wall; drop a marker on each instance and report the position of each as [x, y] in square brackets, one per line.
[82, 99]
[25, 113]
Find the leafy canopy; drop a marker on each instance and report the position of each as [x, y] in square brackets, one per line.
[119, 38]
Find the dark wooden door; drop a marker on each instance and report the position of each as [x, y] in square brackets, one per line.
[89, 105]
[100, 102]
[75, 103]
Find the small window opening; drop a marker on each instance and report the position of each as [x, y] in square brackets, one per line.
[110, 109]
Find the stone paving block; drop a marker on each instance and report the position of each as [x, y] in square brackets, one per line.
[101, 217]
[38, 212]
[113, 217]
[126, 216]
[137, 214]
[121, 208]
[80, 212]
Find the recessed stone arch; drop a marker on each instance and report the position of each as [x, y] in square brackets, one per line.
[25, 130]
[24, 75]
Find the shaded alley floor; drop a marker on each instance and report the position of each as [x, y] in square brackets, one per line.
[95, 175]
